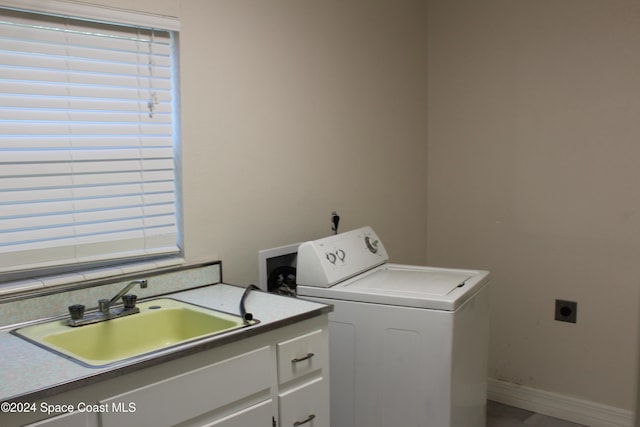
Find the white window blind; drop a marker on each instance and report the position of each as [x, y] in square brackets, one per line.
[87, 150]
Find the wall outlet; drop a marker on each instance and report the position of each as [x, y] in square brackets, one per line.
[566, 311]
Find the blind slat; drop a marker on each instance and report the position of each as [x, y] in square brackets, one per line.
[115, 117]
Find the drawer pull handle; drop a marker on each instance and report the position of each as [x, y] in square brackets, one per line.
[302, 359]
[308, 420]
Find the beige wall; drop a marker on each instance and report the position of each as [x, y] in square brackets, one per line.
[534, 141]
[294, 108]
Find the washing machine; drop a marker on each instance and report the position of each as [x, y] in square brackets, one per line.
[408, 344]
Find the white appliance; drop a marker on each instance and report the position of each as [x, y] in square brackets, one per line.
[408, 344]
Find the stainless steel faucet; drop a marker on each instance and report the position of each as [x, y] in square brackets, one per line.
[104, 307]
[106, 304]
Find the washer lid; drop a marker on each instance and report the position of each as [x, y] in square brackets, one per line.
[407, 286]
[405, 281]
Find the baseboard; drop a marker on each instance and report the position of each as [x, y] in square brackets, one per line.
[557, 405]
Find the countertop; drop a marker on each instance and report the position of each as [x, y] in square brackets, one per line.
[29, 373]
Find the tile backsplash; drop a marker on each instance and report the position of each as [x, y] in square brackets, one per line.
[168, 280]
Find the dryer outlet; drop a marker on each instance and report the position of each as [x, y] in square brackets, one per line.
[566, 311]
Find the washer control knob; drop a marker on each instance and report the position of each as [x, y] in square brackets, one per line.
[331, 257]
[341, 255]
[372, 245]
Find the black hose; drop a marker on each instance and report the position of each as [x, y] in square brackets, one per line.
[247, 317]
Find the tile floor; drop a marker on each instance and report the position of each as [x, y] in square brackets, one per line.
[499, 415]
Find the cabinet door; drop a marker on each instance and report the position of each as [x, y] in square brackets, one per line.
[302, 355]
[74, 419]
[259, 415]
[192, 394]
[305, 406]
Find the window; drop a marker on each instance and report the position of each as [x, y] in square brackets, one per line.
[87, 142]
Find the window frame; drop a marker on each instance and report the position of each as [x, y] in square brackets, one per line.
[118, 17]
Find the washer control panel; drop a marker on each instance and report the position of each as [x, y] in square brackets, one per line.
[331, 260]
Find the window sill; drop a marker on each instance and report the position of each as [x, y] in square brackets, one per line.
[45, 283]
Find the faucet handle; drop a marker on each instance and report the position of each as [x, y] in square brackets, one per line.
[129, 301]
[76, 311]
[103, 305]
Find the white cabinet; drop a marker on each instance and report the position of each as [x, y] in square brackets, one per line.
[306, 405]
[303, 380]
[279, 378]
[302, 355]
[193, 394]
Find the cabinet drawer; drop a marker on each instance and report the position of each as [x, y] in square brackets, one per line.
[301, 355]
[305, 406]
[193, 393]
